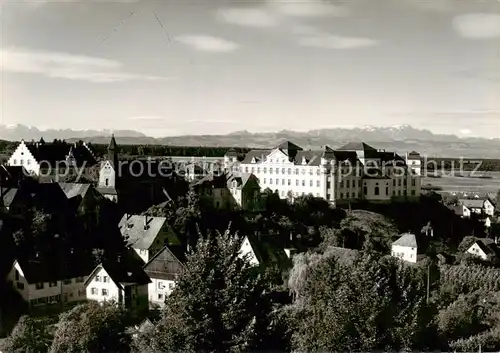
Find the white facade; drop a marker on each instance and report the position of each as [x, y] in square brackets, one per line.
[159, 290]
[102, 288]
[476, 250]
[23, 157]
[318, 173]
[405, 253]
[488, 208]
[69, 290]
[246, 248]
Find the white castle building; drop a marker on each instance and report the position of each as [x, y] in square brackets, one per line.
[353, 172]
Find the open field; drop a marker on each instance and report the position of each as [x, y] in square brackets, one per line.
[464, 183]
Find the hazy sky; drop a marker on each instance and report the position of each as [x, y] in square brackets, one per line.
[171, 67]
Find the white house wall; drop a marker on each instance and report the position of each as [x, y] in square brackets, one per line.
[71, 290]
[405, 253]
[477, 251]
[246, 248]
[99, 285]
[159, 289]
[23, 157]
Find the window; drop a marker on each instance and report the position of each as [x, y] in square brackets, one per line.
[353, 195]
[15, 161]
[297, 182]
[404, 182]
[253, 170]
[347, 184]
[20, 285]
[28, 161]
[377, 190]
[317, 183]
[105, 279]
[104, 292]
[277, 170]
[413, 182]
[160, 296]
[277, 181]
[107, 182]
[303, 182]
[270, 170]
[246, 169]
[282, 181]
[289, 171]
[365, 190]
[52, 284]
[393, 182]
[79, 279]
[94, 291]
[265, 170]
[296, 171]
[270, 180]
[282, 170]
[289, 182]
[21, 161]
[17, 275]
[413, 193]
[387, 190]
[399, 182]
[160, 285]
[264, 180]
[328, 196]
[98, 278]
[341, 195]
[341, 183]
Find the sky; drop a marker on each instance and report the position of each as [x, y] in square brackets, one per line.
[172, 67]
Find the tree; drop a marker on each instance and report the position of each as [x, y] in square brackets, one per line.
[219, 303]
[375, 303]
[30, 335]
[92, 327]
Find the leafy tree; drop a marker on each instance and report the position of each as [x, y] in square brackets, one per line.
[373, 304]
[219, 304]
[92, 327]
[30, 335]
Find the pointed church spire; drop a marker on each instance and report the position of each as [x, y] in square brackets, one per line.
[113, 151]
[112, 143]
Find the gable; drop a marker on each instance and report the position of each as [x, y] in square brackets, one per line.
[246, 248]
[476, 249]
[277, 156]
[165, 265]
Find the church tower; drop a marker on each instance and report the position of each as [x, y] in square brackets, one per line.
[109, 173]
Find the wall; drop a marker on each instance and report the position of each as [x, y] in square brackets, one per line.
[476, 250]
[108, 173]
[72, 290]
[404, 253]
[22, 156]
[113, 290]
[246, 248]
[384, 188]
[156, 294]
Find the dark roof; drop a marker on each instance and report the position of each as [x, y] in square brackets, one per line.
[112, 143]
[488, 246]
[231, 153]
[12, 174]
[267, 251]
[52, 153]
[8, 195]
[50, 269]
[356, 146]
[74, 189]
[124, 271]
[167, 264]
[49, 197]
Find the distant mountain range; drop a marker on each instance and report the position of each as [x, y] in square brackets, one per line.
[401, 138]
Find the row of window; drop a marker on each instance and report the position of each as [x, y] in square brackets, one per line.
[289, 182]
[277, 170]
[21, 162]
[41, 285]
[161, 285]
[95, 291]
[105, 279]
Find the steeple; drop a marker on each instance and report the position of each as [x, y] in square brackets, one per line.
[113, 151]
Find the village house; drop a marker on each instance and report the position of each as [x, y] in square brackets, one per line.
[485, 248]
[353, 172]
[52, 160]
[42, 281]
[122, 281]
[462, 211]
[478, 206]
[230, 190]
[164, 270]
[147, 235]
[262, 250]
[405, 248]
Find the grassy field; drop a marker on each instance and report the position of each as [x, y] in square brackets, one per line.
[464, 183]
